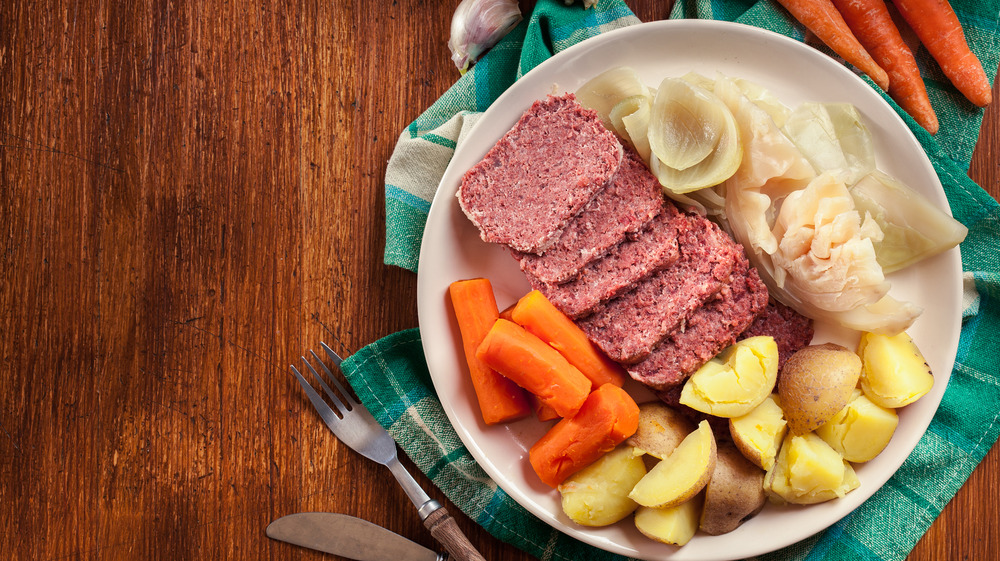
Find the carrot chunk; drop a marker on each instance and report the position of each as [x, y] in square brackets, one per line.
[527, 360]
[937, 26]
[606, 419]
[823, 19]
[535, 313]
[872, 24]
[500, 399]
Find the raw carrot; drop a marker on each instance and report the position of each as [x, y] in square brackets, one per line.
[823, 19]
[873, 26]
[535, 313]
[500, 399]
[937, 26]
[605, 420]
[527, 360]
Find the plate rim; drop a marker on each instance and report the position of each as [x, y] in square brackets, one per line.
[701, 26]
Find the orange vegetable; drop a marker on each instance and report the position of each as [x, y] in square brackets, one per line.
[873, 26]
[535, 313]
[506, 312]
[607, 418]
[544, 412]
[527, 360]
[500, 399]
[823, 19]
[937, 26]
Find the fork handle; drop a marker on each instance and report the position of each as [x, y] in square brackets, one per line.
[444, 528]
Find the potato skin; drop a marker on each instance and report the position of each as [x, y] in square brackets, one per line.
[734, 494]
[815, 383]
[661, 429]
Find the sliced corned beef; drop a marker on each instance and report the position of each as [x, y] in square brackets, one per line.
[632, 199]
[540, 174]
[629, 326]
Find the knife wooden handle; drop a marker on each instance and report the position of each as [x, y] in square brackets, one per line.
[444, 528]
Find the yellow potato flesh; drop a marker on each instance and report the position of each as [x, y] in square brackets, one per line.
[809, 471]
[861, 430]
[597, 495]
[895, 372]
[682, 474]
[674, 525]
[759, 433]
[736, 382]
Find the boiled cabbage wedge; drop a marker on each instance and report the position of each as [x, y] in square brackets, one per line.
[833, 138]
[913, 227]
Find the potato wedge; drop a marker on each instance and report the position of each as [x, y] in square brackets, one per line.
[597, 495]
[808, 471]
[861, 430]
[759, 433]
[734, 494]
[682, 474]
[895, 371]
[736, 381]
[816, 383]
[661, 429]
[675, 525]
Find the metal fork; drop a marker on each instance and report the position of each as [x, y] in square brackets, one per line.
[355, 427]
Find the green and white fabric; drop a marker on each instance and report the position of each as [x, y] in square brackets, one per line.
[391, 376]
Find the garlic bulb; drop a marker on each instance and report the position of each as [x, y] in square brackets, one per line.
[477, 25]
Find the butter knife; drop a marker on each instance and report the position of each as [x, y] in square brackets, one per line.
[349, 537]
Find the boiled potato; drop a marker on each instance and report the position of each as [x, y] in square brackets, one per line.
[759, 433]
[736, 381]
[895, 371]
[734, 494]
[661, 429]
[808, 471]
[682, 474]
[675, 525]
[816, 383]
[861, 430]
[597, 495]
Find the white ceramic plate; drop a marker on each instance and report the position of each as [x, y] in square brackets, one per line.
[452, 250]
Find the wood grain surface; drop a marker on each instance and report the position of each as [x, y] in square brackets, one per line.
[191, 195]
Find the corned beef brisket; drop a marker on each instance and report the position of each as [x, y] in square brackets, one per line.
[540, 174]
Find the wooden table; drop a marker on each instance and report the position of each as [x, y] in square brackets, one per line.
[191, 196]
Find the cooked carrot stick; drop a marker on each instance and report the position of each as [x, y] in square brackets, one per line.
[506, 312]
[535, 313]
[823, 19]
[500, 399]
[937, 26]
[605, 420]
[873, 26]
[544, 412]
[535, 366]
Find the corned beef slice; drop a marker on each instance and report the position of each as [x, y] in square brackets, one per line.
[629, 326]
[540, 175]
[635, 258]
[790, 329]
[633, 198]
[707, 332]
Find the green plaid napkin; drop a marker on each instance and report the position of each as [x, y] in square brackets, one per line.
[391, 376]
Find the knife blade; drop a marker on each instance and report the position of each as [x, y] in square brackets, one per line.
[349, 537]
